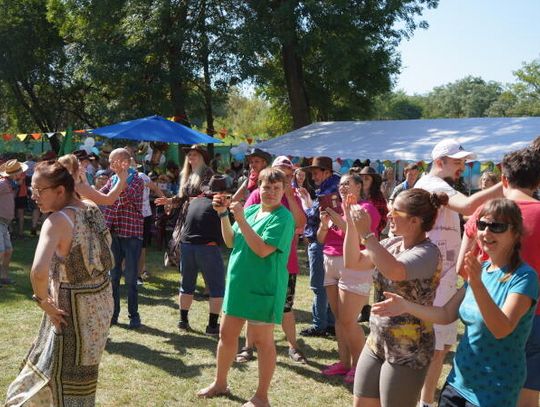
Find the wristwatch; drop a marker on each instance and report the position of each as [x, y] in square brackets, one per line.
[224, 214]
[367, 236]
[36, 299]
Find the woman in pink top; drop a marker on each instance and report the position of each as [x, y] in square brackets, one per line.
[347, 290]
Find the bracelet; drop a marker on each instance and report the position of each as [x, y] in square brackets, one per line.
[224, 214]
[367, 236]
[36, 299]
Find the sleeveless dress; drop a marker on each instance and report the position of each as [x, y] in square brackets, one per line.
[61, 369]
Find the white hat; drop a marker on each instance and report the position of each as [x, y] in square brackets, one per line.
[450, 148]
[283, 161]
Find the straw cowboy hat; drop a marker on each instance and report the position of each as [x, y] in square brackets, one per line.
[11, 168]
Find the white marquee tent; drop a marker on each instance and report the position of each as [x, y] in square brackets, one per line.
[489, 138]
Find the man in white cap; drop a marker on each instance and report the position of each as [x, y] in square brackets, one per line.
[448, 164]
[10, 172]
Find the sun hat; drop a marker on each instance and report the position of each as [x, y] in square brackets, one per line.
[218, 183]
[201, 149]
[323, 163]
[260, 153]
[450, 148]
[283, 161]
[12, 167]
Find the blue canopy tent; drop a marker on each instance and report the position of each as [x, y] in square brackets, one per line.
[154, 128]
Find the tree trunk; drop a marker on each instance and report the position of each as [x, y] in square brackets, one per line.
[292, 68]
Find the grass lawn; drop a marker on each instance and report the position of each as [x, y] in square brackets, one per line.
[157, 365]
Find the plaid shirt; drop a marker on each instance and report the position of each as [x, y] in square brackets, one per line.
[124, 217]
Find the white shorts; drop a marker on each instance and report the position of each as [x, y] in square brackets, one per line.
[445, 335]
[354, 281]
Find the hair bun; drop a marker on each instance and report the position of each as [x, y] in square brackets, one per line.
[438, 199]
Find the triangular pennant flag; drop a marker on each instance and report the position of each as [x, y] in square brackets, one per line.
[49, 135]
[7, 137]
[22, 137]
[36, 136]
[63, 133]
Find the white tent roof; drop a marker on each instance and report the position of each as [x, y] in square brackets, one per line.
[489, 138]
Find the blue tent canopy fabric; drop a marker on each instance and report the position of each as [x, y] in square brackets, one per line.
[413, 140]
[154, 128]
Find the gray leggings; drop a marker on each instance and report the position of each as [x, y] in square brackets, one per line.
[395, 385]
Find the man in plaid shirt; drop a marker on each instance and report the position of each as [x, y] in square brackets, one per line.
[125, 221]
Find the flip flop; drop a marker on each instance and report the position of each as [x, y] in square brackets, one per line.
[245, 355]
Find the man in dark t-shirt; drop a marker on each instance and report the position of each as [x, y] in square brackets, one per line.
[199, 248]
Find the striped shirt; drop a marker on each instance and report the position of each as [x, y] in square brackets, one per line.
[124, 217]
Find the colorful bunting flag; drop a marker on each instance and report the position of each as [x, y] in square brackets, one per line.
[36, 136]
[22, 137]
[7, 137]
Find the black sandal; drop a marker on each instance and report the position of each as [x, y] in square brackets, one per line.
[245, 355]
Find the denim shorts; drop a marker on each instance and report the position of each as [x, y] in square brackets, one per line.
[204, 258]
[532, 354]
[5, 240]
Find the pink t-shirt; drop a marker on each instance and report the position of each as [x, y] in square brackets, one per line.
[333, 244]
[292, 263]
[530, 244]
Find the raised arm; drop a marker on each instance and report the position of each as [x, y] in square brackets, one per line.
[353, 257]
[253, 240]
[220, 206]
[466, 205]
[501, 322]
[295, 208]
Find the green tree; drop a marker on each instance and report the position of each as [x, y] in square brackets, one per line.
[467, 97]
[398, 106]
[325, 60]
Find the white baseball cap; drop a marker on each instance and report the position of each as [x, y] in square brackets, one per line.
[450, 148]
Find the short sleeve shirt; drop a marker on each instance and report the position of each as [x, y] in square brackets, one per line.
[488, 371]
[292, 263]
[446, 232]
[405, 339]
[530, 243]
[256, 286]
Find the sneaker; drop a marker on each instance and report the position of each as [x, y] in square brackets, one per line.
[140, 281]
[337, 368]
[134, 324]
[297, 356]
[331, 331]
[349, 377]
[312, 331]
[184, 326]
[212, 330]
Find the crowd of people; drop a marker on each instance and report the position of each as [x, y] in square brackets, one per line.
[405, 240]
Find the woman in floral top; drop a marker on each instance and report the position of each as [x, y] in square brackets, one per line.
[394, 362]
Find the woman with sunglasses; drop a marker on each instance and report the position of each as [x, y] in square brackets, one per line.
[496, 305]
[393, 364]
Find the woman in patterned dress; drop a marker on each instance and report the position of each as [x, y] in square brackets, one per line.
[70, 283]
[392, 366]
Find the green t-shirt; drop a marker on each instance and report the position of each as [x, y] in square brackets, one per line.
[256, 287]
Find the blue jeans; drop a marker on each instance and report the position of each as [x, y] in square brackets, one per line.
[208, 260]
[126, 250]
[320, 310]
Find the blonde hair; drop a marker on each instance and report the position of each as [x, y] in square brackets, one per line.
[71, 162]
[190, 177]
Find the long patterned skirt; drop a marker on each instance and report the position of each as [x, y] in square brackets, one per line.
[61, 369]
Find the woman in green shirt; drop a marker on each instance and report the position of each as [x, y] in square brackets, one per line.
[256, 280]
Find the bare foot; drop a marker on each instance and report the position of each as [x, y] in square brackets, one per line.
[256, 402]
[213, 391]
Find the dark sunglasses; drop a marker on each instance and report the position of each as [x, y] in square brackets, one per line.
[495, 227]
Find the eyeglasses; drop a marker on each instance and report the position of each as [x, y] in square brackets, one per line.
[495, 227]
[37, 191]
[401, 214]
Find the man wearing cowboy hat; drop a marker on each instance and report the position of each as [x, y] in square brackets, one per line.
[327, 183]
[449, 159]
[258, 160]
[10, 172]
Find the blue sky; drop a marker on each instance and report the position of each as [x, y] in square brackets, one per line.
[483, 38]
